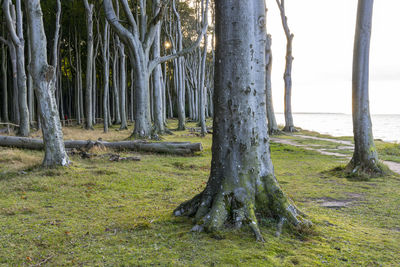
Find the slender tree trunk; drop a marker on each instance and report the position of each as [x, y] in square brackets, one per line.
[17, 38]
[242, 179]
[106, 58]
[122, 85]
[287, 77]
[31, 96]
[365, 157]
[115, 85]
[43, 74]
[5, 88]
[157, 81]
[203, 74]
[272, 125]
[89, 66]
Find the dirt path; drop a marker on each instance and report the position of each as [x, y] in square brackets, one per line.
[346, 145]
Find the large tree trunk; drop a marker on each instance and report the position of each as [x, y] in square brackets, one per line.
[89, 66]
[242, 185]
[178, 148]
[365, 157]
[44, 85]
[287, 77]
[272, 125]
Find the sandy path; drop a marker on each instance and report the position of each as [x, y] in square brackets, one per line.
[347, 145]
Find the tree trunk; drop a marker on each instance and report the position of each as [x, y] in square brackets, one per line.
[242, 185]
[202, 92]
[287, 77]
[43, 81]
[365, 157]
[157, 81]
[272, 125]
[17, 38]
[5, 88]
[89, 66]
[122, 85]
[106, 61]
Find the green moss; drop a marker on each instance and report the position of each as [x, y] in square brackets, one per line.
[120, 213]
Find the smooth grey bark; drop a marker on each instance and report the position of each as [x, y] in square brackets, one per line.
[202, 91]
[365, 157]
[89, 66]
[180, 69]
[272, 125]
[31, 95]
[115, 82]
[44, 85]
[287, 77]
[5, 88]
[17, 38]
[106, 62]
[158, 106]
[242, 184]
[122, 85]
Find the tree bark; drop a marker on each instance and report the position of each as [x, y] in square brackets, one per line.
[106, 62]
[17, 38]
[272, 125]
[44, 85]
[89, 66]
[365, 157]
[242, 185]
[287, 77]
[5, 88]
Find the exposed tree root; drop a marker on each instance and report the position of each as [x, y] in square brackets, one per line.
[214, 211]
[364, 170]
[274, 131]
[289, 129]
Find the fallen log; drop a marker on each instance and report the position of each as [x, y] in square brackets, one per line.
[178, 148]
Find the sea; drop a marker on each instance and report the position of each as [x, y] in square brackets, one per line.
[385, 127]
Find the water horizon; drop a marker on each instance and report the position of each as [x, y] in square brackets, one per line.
[385, 127]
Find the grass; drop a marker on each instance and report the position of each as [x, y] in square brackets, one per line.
[102, 213]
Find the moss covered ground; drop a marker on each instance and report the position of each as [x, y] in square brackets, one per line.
[102, 213]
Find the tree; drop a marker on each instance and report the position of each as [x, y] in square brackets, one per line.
[242, 184]
[44, 85]
[365, 157]
[272, 125]
[17, 37]
[139, 39]
[89, 66]
[287, 77]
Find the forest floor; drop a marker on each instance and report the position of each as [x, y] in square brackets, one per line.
[99, 212]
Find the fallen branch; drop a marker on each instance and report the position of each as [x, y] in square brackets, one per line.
[179, 148]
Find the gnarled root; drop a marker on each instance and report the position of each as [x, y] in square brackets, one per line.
[290, 129]
[213, 212]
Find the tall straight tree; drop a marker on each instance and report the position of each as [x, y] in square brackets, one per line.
[89, 66]
[139, 39]
[272, 125]
[106, 67]
[17, 37]
[242, 181]
[44, 85]
[287, 77]
[365, 157]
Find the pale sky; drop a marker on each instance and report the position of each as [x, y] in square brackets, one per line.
[323, 48]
